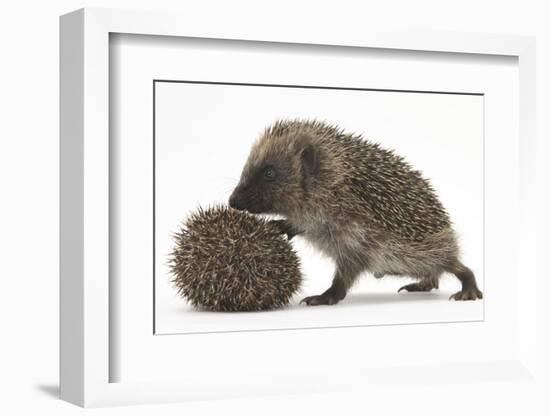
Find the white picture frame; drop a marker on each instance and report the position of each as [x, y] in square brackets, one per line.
[85, 355]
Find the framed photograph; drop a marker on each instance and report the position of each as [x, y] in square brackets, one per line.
[246, 213]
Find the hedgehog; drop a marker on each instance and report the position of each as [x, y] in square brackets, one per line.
[360, 204]
[228, 260]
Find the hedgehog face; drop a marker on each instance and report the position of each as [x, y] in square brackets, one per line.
[260, 188]
[274, 177]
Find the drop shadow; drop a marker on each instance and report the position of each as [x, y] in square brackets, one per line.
[362, 299]
[358, 299]
[51, 390]
[402, 297]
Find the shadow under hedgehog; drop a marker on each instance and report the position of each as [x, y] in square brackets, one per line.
[362, 205]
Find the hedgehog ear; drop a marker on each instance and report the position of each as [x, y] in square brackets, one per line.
[310, 159]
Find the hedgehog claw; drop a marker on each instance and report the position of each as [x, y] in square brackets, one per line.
[319, 300]
[286, 228]
[415, 287]
[467, 294]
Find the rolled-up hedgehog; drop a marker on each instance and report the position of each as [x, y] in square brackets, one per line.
[229, 260]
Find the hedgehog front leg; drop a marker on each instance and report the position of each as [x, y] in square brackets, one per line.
[287, 228]
[342, 281]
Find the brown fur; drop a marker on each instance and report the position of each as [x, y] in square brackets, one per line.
[360, 204]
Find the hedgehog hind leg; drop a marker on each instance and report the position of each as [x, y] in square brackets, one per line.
[469, 289]
[426, 284]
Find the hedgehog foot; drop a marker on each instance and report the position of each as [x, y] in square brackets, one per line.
[469, 287]
[331, 296]
[417, 287]
[323, 299]
[284, 227]
[471, 293]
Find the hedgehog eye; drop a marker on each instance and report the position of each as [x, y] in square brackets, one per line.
[269, 173]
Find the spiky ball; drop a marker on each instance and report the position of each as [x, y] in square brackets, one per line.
[228, 260]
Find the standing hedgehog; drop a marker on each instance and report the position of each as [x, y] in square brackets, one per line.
[360, 204]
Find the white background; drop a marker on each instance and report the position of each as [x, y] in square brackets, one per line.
[203, 136]
[29, 213]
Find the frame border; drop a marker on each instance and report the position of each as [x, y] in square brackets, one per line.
[84, 192]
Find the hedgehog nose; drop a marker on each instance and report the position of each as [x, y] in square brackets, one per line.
[236, 203]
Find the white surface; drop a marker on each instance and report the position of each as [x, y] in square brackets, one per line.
[30, 316]
[204, 133]
[137, 61]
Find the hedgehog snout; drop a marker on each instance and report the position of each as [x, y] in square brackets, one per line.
[236, 202]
